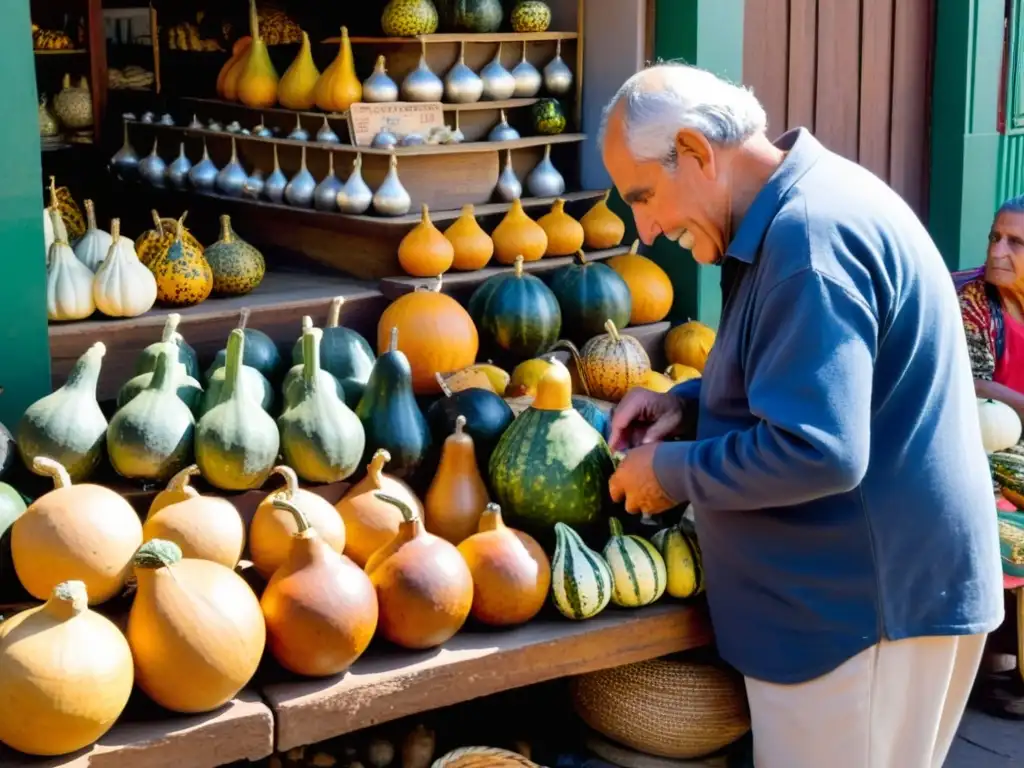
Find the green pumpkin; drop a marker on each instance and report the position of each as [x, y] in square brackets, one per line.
[236, 443]
[530, 16]
[261, 353]
[595, 417]
[344, 354]
[68, 425]
[470, 15]
[321, 439]
[146, 363]
[516, 315]
[549, 117]
[589, 295]
[237, 266]
[487, 417]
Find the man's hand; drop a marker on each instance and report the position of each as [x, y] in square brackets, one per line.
[635, 482]
[645, 417]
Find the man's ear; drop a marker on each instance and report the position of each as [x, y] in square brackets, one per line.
[693, 144]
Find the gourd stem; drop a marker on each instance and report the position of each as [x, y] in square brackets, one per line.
[233, 363]
[607, 195]
[618, 457]
[115, 231]
[424, 214]
[376, 468]
[277, 164]
[254, 23]
[334, 313]
[243, 319]
[156, 553]
[408, 515]
[54, 203]
[42, 465]
[582, 257]
[393, 339]
[234, 151]
[68, 599]
[225, 229]
[307, 323]
[163, 374]
[90, 215]
[157, 224]
[609, 326]
[182, 479]
[460, 425]
[517, 268]
[311, 357]
[302, 163]
[55, 221]
[179, 229]
[490, 519]
[170, 328]
[615, 526]
[86, 372]
[635, 247]
[445, 389]
[291, 481]
[305, 530]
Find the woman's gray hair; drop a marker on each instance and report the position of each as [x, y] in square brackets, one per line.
[663, 99]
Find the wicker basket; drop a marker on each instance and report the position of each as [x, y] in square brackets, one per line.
[483, 757]
[664, 707]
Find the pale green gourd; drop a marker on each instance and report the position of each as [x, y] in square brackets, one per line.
[189, 390]
[186, 355]
[251, 383]
[292, 387]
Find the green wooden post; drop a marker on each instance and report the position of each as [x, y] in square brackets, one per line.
[24, 343]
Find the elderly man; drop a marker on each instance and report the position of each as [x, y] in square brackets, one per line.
[842, 497]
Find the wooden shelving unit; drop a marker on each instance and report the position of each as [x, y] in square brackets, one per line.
[460, 37]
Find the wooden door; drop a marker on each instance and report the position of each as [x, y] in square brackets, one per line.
[855, 72]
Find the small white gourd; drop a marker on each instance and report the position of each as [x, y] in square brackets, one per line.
[1000, 425]
[92, 249]
[68, 281]
[124, 286]
[49, 233]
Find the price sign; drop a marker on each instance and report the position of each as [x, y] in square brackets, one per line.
[400, 118]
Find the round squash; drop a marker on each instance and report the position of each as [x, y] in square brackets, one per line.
[679, 373]
[1000, 425]
[487, 417]
[590, 294]
[260, 353]
[611, 364]
[689, 344]
[650, 289]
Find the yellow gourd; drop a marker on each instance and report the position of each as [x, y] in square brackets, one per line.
[338, 88]
[204, 527]
[424, 251]
[649, 287]
[257, 84]
[297, 89]
[183, 275]
[234, 70]
[179, 488]
[518, 235]
[679, 372]
[601, 227]
[457, 496]
[467, 378]
[472, 246]
[658, 382]
[689, 344]
[526, 376]
[565, 234]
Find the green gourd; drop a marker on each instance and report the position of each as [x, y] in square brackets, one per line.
[150, 438]
[68, 425]
[236, 444]
[590, 294]
[344, 354]
[189, 391]
[260, 353]
[391, 416]
[12, 506]
[237, 266]
[321, 439]
[8, 450]
[170, 336]
[252, 384]
[293, 386]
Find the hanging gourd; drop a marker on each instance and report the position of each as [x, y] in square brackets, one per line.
[611, 364]
[227, 78]
[65, 674]
[565, 234]
[437, 334]
[602, 229]
[689, 344]
[486, 416]
[344, 353]
[518, 235]
[257, 82]
[68, 282]
[649, 287]
[320, 607]
[179, 488]
[195, 629]
[123, 286]
[581, 581]
[169, 338]
[424, 587]
[183, 276]
[85, 532]
[92, 249]
[637, 567]
[338, 88]
[237, 266]
[472, 248]
[424, 251]
[297, 89]
[457, 495]
[272, 529]
[511, 573]
[590, 294]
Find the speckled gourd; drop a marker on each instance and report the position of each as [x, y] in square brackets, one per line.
[237, 266]
[183, 276]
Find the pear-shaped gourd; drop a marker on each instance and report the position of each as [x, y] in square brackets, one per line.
[150, 438]
[298, 132]
[557, 76]
[378, 87]
[499, 84]
[274, 186]
[233, 71]
[232, 177]
[252, 384]
[257, 83]
[424, 251]
[183, 276]
[509, 187]
[152, 167]
[299, 191]
[545, 180]
[169, 337]
[527, 78]
[325, 196]
[236, 444]
[297, 89]
[472, 248]
[123, 286]
[457, 495]
[237, 266]
[92, 249]
[503, 131]
[602, 229]
[344, 353]
[565, 234]
[68, 281]
[391, 199]
[188, 390]
[68, 425]
[355, 196]
[253, 188]
[125, 161]
[518, 235]
[320, 437]
[462, 85]
[203, 175]
[178, 170]
[422, 84]
[294, 387]
[326, 134]
[338, 88]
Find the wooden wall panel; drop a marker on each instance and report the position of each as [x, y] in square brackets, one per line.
[766, 51]
[876, 86]
[803, 63]
[837, 106]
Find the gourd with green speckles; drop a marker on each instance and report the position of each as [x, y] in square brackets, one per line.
[530, 16]
[610, 364]
[548, 117]
[638, 570]
[183, 276]
[408, 18]
[237, 266]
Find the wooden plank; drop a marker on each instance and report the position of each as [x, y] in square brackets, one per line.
[837, 103]
[469, 38]
[387, 684]
[766, 58]
[476, 106]
[875, 86]
[803, 64]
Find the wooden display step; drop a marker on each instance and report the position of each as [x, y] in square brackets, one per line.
[460, 37]
[388, 684]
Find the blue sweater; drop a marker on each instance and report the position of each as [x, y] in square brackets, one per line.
[839, 484]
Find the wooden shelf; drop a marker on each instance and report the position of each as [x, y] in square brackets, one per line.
[459, 37]
[387, 684]
[62, 52]
[475, 106]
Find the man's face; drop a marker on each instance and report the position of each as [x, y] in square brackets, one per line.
[687, 203]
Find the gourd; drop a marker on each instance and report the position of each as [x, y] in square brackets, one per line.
[261, 353]
[272, 528]
[485, 413]
[320, 437]
[408, 18]
[65, 674]
[1008, 475]
[689, 344]
[12, 506]
[227, 78]
[237, 266]
[472, 248]
[169, 338]
[150, 438]
[511, 573]
[257, 82]
[338, 88]
[517, 315]
[293, 386]
[679, 372]
[602, 229]
[551, 465]
[153, 242]
[565, 234]
[68, 282]
[437, 333]
[344, 353]
[650, 289]
[581, 581]
[391, 418]
[195, 629]
[611, 364]
[123, 286]
[179, 488]
[53, 228]
[638, 569]
[369, 522]
[183, 276]
[92, 249]
[590, 294]
[297, 89]
[320, 607]
[68, 425]
[203, 527]
[518, 235]
[189, 391]
[424, 251]
[457, 495]
[1000, 425]
[656, 382]
[252, 383]
[236, 445]
[679, 549]
[85, 532]
[424, 587]
[497, 377]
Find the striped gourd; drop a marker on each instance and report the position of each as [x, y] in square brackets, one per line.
[678, 546]
[638, 570]
[1008, 473]
[581, 582]
[1011, 542]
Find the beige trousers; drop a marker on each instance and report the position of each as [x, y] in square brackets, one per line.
[895, 705]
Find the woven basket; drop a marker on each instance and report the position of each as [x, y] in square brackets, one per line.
[483, 757]
[664, 707]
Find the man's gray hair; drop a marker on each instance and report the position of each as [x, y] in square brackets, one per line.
[663, 99]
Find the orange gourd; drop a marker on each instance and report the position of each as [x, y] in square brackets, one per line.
[689, 344]
[179, 488]
[657, 382]
[234, 72]
[518, 235]
[679, 372]
[649, 286]
[79, 532]
[238, 53]
[369, 522]
[565, 234]
[473, 247]
[424, 587]
[320, 607]
[511, 573]
[457, 495]
[257, 83]
[195, 628]
[338, 88]
[424, 251]
[435, 333]
[273, 529]
[602, 228]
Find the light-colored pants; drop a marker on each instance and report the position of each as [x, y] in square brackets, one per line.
[895, 705]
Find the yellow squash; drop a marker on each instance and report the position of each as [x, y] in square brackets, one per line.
[565, 234]
[257, 83]
[610, 364]
[679, 372]
[601, 227]
[183, 276]
[338, 88]
[424, 251]
[649, 286]
[518, 235]
[689, 344]
[297, 89]
[473, 247]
